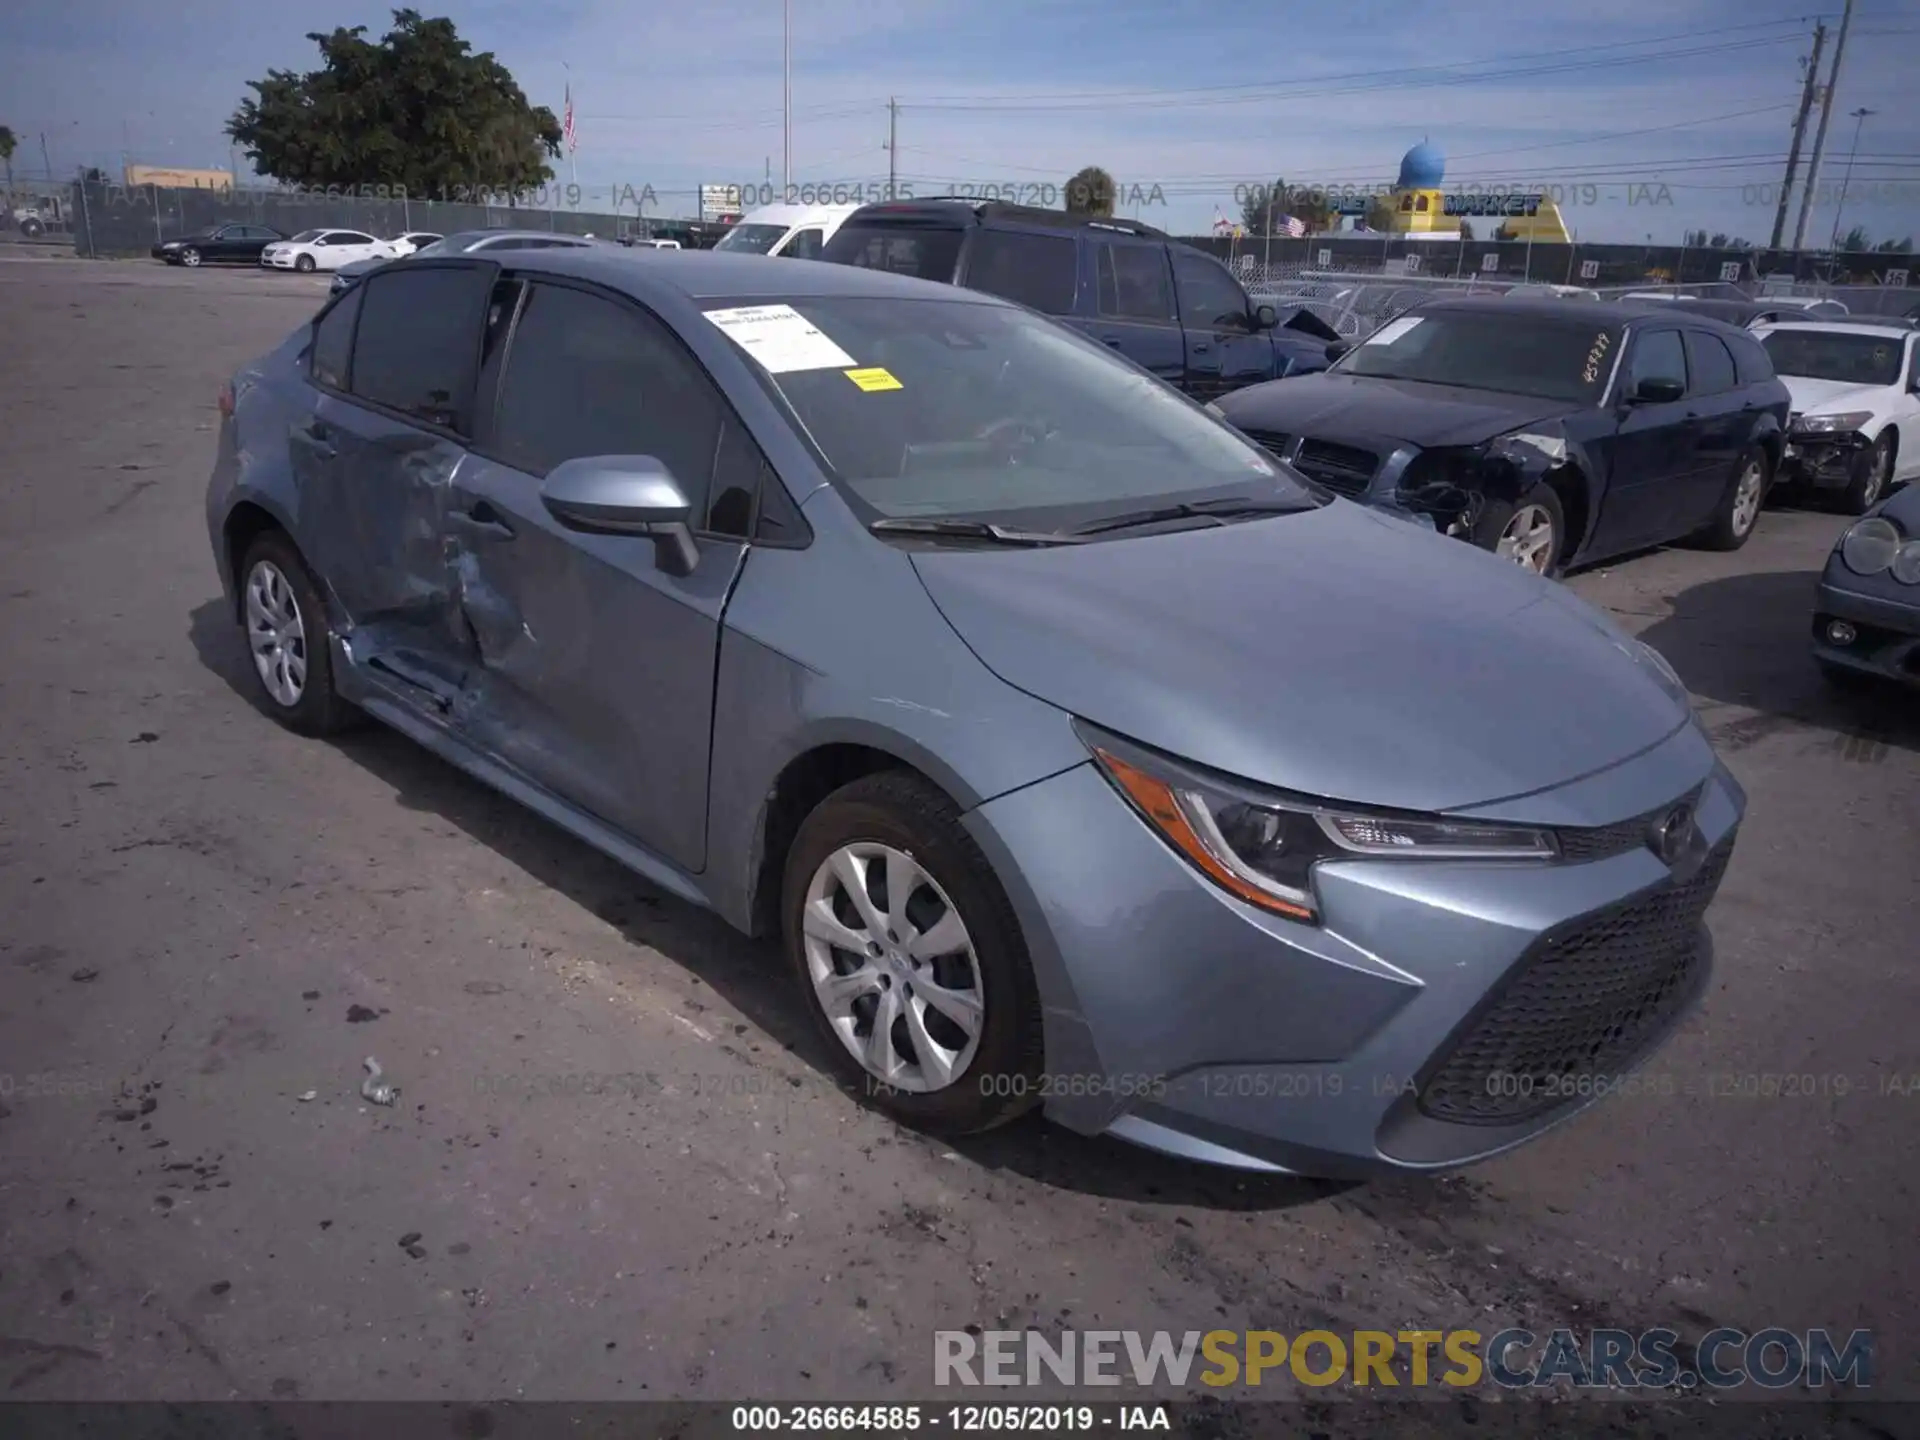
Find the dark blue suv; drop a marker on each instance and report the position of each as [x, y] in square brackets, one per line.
[1166, 306]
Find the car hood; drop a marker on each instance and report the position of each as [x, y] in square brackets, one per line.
[1421, 414]
[1340, 653]
[1832, 397]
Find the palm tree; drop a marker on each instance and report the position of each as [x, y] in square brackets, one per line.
[8, 144]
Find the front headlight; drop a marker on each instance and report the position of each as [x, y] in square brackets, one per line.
[1906, 563]
[1832, 424]
[1662, 668]
[1263, 848]
[1869, 546]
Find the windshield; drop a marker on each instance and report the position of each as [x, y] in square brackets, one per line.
[754, 239]
[925, 252]
[1543, 356]
[946, 409]
[306, 237]
[1835, 355]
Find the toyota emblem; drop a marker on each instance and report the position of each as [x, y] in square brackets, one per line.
[1671, 832]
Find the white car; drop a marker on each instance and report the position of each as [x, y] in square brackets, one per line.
[312, 250]
[411, 241]
[1855, 429]
[799, 232]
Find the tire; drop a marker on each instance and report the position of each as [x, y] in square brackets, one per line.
[1873, 470]
[303, 263]
[995, 1078]
[1737, 515]
[1496, 528]
[190, 258]
[313, 706]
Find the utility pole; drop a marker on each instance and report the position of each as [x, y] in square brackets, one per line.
[1820, 135]
[786, 96]
[1807, 92]
[893, 145]
[1859, 119]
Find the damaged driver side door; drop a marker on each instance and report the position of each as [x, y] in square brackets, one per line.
[593, 663]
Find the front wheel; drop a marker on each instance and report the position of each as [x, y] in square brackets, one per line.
[189, 258]
[910, 958]
[304, 264]
[1739, 510]
[1871, 472]
[1532, 532]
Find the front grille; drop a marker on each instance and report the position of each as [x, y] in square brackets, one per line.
[1603, 842]
[1344, 469]
[1582, 1009]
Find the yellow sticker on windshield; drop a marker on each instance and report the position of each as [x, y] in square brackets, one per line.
[874, 379]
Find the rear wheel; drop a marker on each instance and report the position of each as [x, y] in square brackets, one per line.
[304, 264]
[1872, 469]
[910, 959]
[1739, 511]
[1532, 532]
[289, 638]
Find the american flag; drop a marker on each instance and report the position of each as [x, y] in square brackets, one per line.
[1292, 227]
[566, 127]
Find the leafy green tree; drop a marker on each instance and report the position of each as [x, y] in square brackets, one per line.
[1466, 229]
[1090, 192]
[417, 109]
[9, 142]
[1896, 247]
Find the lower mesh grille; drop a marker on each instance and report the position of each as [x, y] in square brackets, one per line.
[1583, 1008]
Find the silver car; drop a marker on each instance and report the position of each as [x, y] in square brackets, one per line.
[1082, 755]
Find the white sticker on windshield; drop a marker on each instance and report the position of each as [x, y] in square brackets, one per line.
[780, 338]
[1392, 330]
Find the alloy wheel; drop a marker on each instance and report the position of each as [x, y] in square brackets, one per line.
[893, 967]
[1878, 468]
[1528, 539]
[276, 634]
[1746, 497]
[190, 258]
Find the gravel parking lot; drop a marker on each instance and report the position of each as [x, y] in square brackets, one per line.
[208, 919]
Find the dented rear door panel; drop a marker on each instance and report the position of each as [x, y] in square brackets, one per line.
[591, 670]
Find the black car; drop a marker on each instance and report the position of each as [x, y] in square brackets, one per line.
[1866, 617]
[1168, 307]
[1551, 433]
[224, 244]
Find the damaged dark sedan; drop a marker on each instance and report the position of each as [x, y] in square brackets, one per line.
[1552, 435]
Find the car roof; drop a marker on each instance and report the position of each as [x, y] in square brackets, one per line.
[471, 237]
[1555, 306]
[791, 215]
[961, 209]
[701, 275]
[1889, 331]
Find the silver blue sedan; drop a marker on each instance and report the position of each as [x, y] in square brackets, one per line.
[1081, 754]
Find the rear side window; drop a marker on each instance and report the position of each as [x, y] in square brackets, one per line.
[1039, 271]
[588, 375]
[1711, 364]
[1133, 282]
[926, 252]
[418, 343]
[1751, 360]
[333, 341]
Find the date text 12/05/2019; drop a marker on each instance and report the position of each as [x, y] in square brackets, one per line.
[963, 1419]
[1041, 194]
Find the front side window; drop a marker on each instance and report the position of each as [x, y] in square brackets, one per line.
[1040, 271]
[805, 245]
[590, 375]
[1657, 355]
[1208, 294]
[333, 341]
[1547, 358]
[957, 409]
[418, 340]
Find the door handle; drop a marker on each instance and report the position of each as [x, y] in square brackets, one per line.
[483, 517]
[1113, 341]
[1201, 347]
[318, 436]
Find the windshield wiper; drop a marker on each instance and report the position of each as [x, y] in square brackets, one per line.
[1218, 511]
[972, 530]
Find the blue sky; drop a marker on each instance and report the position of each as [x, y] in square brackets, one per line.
[1610, 103]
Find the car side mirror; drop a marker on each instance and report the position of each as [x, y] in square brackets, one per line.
[1265, 317]
[625, 495]
[1656, 390]
[1337, 348]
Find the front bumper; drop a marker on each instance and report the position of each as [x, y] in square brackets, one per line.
[277, 262]
[1826, 462]
[1397, 1036]
[1886, 633]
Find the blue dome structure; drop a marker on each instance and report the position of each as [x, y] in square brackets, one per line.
[1422, 168]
